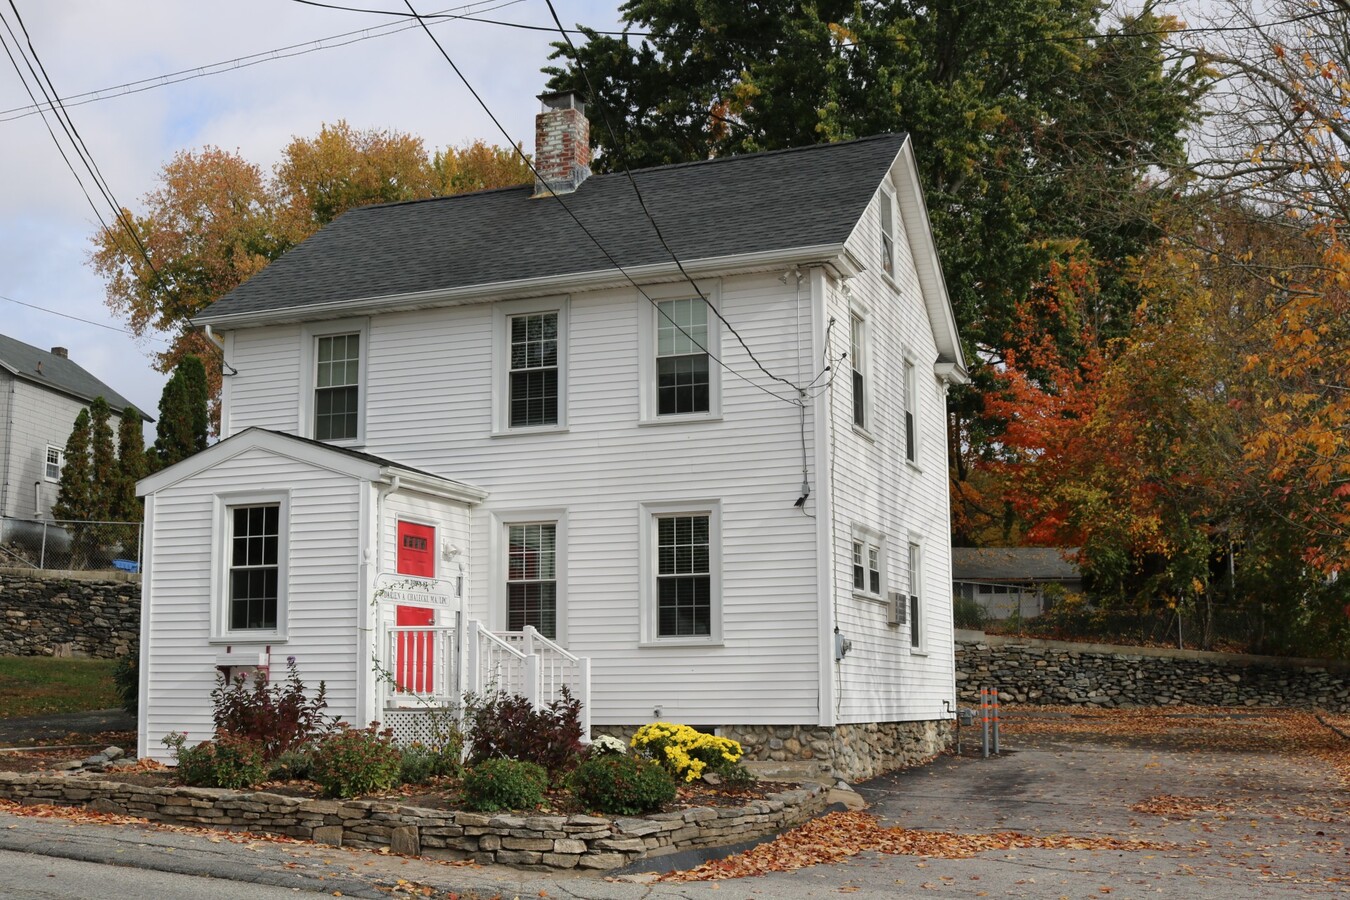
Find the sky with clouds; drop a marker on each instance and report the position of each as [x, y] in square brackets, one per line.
[299, 67]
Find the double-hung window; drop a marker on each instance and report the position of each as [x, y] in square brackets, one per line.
[532, 577]
[52, 466]
[683, 576]
[857, 354]
[867, 562]
[529, 374]
[533, 369]
[681, 572]
[887, 223]
[682, 362]
[909, 387]
[917, 619]
[254, 567]
[337, 387]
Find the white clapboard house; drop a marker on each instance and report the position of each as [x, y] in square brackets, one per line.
[463, 449]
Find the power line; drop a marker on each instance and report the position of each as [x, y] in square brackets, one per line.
[642, 202]
[149, 337]
[614, 262]
[241, 62]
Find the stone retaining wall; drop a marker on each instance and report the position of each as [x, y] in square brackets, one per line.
[546, 842]
[1036, 671]
[850, 752]
[44, 613]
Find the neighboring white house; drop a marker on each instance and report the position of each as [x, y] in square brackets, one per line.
[454, 421]
[1009, 582]
[41, 393]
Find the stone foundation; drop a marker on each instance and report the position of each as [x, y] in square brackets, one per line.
[537, 842]
[851, 752]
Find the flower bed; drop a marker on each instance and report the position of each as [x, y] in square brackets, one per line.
[534, 841]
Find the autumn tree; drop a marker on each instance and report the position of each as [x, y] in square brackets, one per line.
[216, 219]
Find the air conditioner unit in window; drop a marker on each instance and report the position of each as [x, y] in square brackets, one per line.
[896, 607]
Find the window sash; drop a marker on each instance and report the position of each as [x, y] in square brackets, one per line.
[533, 369]
[684, 575]
[532, 577]
[337, 379]
[911, 436]
[856, 353]
[887, 235]
[915, 608]
[683, 369]
[52, 468]
[254, 571]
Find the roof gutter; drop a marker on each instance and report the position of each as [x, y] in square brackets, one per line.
[827, 254]
[435, 487]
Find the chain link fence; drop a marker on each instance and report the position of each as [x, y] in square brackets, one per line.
[53, 544]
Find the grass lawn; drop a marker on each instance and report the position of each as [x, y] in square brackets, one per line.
[36, 685]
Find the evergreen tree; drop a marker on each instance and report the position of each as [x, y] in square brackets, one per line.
[103, 475]
[183, 415]
[73, 498]
[131, 466]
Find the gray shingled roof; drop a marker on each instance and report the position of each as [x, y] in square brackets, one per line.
[354, 454]
[58, 373]
[760, 202]
[1013, 564]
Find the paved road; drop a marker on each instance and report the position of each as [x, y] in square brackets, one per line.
[15, 732]
[1285, 834]
[23, 875]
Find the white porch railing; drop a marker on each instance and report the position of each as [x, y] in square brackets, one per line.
[422, 665]
[430, 666]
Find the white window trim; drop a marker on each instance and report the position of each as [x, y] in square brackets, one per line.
[220, 563]
[60, 463]
[309, 337]
[647, 317]
[887, 192]
[916, 588]
[649, 618]
[502, 519]
[909, 384]
[501, 363]
[867, 430]
[870, 537]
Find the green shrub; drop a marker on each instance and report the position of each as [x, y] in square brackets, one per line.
[967, 613]
[622, 785]
[127, 682]
[422, 763]
[226, 762]
[293, 765]
[354, 761]
[496, 784]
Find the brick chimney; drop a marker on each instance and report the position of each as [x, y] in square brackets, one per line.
[562, 144]
[61, 352]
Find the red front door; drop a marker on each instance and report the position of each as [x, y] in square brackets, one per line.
[415, 662]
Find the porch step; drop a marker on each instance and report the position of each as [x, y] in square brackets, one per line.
[797, 770]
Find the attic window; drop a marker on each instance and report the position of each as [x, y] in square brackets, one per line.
[887, 234]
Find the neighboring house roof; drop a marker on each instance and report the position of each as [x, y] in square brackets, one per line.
[366, 466]
[777, 208]
[1013, 564]
[57, 373]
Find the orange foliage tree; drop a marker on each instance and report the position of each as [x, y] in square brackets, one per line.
[216, 219]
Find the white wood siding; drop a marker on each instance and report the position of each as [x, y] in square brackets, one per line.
[882, 678]
[430, 407]
[323, 587]
[36, 417]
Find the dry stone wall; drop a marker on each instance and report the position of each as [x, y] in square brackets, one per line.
[542, 842]
[1035, 671]
[45, 613]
